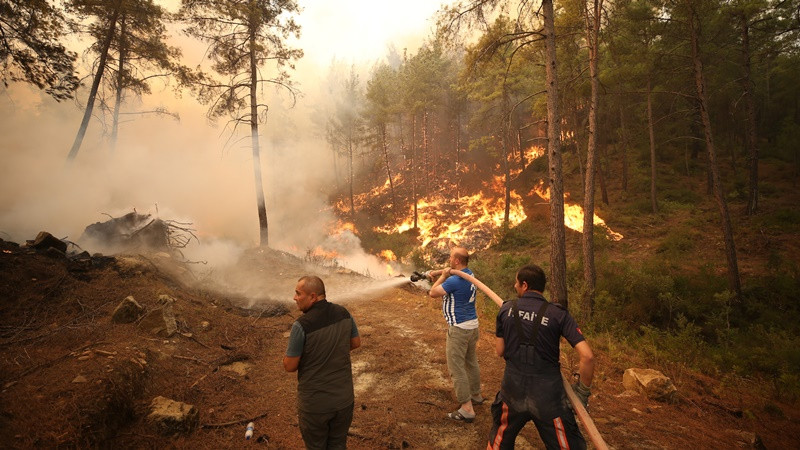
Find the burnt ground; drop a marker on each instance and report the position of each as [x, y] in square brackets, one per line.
[71, 378]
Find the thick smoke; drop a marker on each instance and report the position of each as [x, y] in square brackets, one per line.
[186, 169]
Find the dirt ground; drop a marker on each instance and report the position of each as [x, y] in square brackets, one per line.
[72, 378]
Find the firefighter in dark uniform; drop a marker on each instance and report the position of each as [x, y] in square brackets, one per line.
[528, 332]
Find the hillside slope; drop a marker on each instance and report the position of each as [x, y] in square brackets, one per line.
[72, 378]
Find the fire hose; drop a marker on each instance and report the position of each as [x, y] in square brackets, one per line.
[577, 406]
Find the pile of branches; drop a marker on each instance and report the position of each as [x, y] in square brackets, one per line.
[135, 231]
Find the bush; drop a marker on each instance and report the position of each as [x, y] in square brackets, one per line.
[521, 236]
[634, 290]
[682, 195]
[677, 242]
[784, 219]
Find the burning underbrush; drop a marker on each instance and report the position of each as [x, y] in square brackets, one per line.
[441, 220]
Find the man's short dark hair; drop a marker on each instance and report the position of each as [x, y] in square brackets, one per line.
[313, 284]
[534, 276]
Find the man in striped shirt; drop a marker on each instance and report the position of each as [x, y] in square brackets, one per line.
[458, 307]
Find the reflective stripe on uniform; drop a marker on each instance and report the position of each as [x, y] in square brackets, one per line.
[498, 438]
[561, 435]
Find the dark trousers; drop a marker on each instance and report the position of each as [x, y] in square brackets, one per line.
[559, 433]
[326, 431]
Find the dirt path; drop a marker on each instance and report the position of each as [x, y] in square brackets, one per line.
[71, 378]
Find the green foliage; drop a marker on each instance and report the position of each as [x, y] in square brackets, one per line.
[685, 344]
[31, 48]
[521, 236]
[401, 244]
[632, 292]
[227, 27]
[678, 241]
[784, 219]
[681, 194]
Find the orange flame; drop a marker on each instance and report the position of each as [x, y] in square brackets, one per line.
[388, 255]
[359, 200]
[573, 214]
[460, 219]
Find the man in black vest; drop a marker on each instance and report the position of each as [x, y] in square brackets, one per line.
[528, 332]
[319, 350]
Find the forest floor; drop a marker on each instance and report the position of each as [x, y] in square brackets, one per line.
[72, 378]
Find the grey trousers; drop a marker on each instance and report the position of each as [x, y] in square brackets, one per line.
[462, 362]
[326, 431]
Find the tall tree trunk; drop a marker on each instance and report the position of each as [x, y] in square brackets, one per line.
[603, 174]
[521, 150]
[120, 87]
[385, 145]
[261, 203]
[750, 112]
[425, 155]
[506, 182]
[351, 177]
[730, 248]
[558, 248]
[458, 154]
[578, 139]
[413, 166]
[650, 126]
[624, 136]
[335, 152]
[589, 271]
[98, 76]
[508, 149]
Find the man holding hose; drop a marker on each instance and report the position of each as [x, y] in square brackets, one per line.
[528, 332]
[458, 307]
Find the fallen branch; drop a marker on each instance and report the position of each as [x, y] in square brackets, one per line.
[53, 361]
[189, 358]
[219, 362]
[235, 422]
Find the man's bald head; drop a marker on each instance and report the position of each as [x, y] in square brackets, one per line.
[459, 256]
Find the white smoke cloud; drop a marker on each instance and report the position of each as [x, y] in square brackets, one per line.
[186, 170]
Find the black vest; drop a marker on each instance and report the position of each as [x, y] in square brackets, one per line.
[324, 376]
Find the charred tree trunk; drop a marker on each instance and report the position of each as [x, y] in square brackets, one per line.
[558, 249]
[261, 203]
[751, 137]
[589, 271]
[120, 85]
[730, 248]
[650, 126]
[98, 76]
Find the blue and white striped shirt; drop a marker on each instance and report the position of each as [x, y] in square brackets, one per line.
[458, 305]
